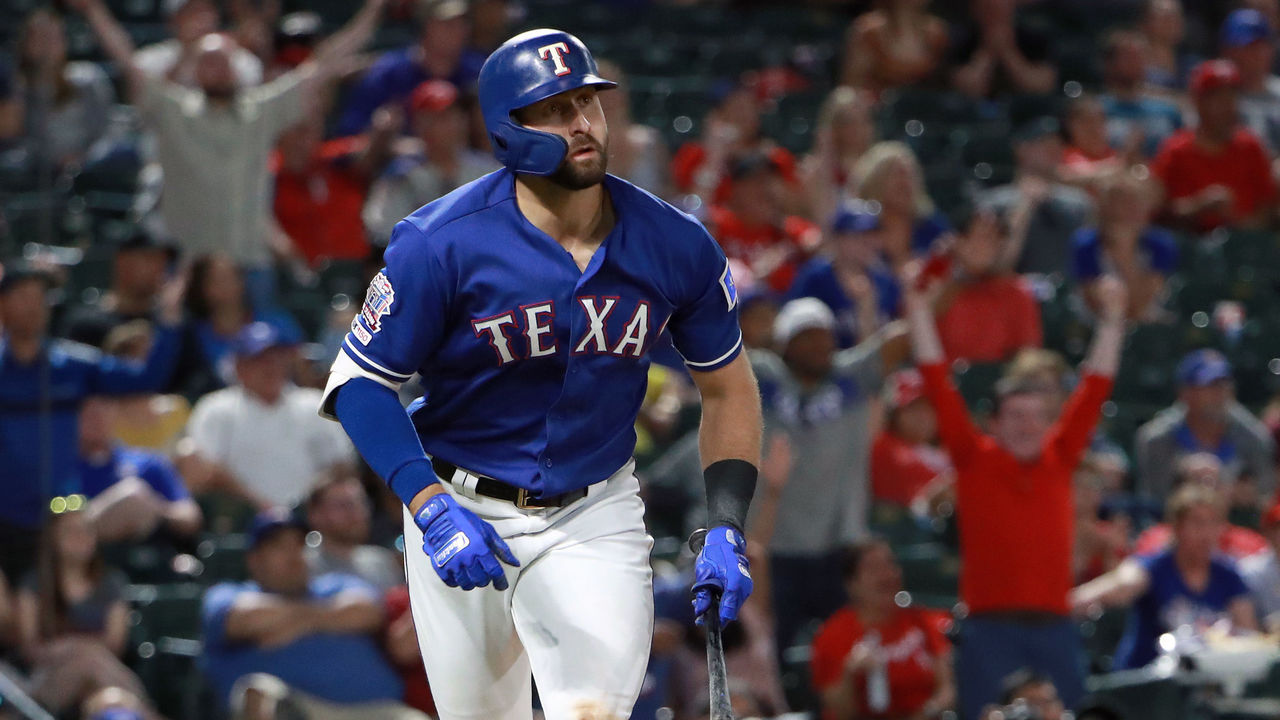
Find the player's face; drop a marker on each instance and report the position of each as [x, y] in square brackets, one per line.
[576, 116]
[23, 311]
[278, 563]
[1021, 424]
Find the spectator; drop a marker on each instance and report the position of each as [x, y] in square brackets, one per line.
[139, 269]
[214, 142]
[1026, 688]
[175, 59]
[888, 175]
[261, 440]
[1014, 494]
[637, 153]
[1041, 211]
[822, 400]
[72, 618]
[986, 314]
[1249, 41]
[134, 495]
[66, 104]
[844, 130]
[1205, 470]
[1163, 27]
[754, 228]
[1186, 586]
[1218, 173]
[1100, 544]
[1262, 573]
[339, 510]
[442, 163]
[995, 54]
[290, 641]
[731, 129]
[490, 22]
[401, 644]
[1046, 368]
[36, 373]
[757, 312]
[907, 469]
[1089, 159]
[1206, 418]
[320, 187]
[875, 634]
[1135, 117]
[851, 277]
[896, 43]
[1126, 245]
[442, 52]
[218, 308]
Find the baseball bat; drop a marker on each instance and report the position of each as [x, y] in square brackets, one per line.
[717, 675]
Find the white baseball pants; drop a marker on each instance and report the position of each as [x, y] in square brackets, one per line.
[578, 612]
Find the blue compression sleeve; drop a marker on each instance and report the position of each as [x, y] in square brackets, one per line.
[383, 433]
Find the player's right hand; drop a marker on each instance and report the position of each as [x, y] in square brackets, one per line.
[463, 548]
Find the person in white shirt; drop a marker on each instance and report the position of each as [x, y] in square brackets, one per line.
[174, 59]
[261, 440]
[339, 510]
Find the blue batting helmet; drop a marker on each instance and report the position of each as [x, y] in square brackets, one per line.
[529, 67]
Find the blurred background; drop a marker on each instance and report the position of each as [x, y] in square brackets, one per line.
[195, 193]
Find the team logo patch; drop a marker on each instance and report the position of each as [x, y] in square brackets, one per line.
[377, 302]
[726, 284]
[364, 336]
[456, 544]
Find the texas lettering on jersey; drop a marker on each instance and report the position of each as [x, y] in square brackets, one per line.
[534, 321]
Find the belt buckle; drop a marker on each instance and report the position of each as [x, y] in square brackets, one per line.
[524, 500]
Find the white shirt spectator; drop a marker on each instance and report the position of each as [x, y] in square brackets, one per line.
[158, 60]
[277, 451]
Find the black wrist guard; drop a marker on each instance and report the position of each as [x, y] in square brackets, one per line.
[730, 485]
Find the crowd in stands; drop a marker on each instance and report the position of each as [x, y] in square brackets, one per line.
[1007, 276]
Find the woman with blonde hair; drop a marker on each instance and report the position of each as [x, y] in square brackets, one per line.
[845, 130]
[889, 179]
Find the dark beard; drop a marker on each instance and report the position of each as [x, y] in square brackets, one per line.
[576, 176]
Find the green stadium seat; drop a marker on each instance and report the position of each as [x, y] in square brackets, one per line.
[929, 568]
[897, 525]
[976, 383]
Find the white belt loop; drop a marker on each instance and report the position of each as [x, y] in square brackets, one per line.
[466, 482]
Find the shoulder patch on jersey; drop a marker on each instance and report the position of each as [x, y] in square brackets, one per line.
[364, 336]
[726, 284]
[377, 302]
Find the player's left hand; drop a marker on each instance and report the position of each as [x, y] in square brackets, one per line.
[722, 566]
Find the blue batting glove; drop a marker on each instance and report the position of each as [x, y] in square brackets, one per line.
[722, 566]
[463, 548]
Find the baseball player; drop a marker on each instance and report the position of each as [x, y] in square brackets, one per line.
[528, 301]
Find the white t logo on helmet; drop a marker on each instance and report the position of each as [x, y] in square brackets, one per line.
[556, 52]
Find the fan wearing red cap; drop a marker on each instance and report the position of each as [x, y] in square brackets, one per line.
[1262, 572]
[439, 162]
[1218, 173]
[907, 468]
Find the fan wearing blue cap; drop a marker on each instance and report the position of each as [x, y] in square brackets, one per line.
[528, 302]
[851, 277]
[1206, 419]
[1248, 40]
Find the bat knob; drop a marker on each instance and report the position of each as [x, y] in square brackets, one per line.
[697, 539]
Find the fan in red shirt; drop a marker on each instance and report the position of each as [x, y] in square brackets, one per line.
[731, 129]
[906, 468]
[1217, 174]
[1014, 502]
[1202, 469]
[320, 186]
[874, 634]
[985, 315]
[753, 226]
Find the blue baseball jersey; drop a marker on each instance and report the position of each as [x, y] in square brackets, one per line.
[534, 370]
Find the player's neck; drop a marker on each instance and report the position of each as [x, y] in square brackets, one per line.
[572, 216]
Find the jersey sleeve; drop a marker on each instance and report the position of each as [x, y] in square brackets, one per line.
[705, 327]
[401, 321]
